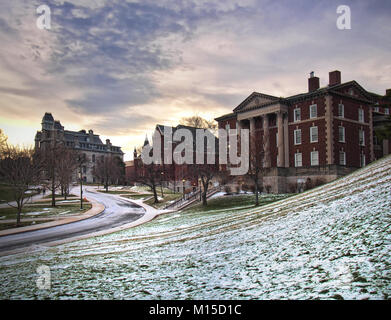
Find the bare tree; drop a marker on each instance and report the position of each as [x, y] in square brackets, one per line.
[151, 176]
[67, 164]
[199, 122]
[3, 141]
[20, 169]
[52, 155]
[204, 173]
[256, 164]
[109, 170]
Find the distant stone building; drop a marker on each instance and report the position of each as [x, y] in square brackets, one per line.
[89, 144]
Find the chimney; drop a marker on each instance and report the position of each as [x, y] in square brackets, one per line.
[388, 92]
[313, 83]
[334, 78]
[108, 142]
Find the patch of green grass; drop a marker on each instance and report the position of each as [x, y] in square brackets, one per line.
[47, 202]
[7, 194]
[167, 198]
[137, 196]
[236, 201]
[58, 196]
[43, 210]
[117, 191]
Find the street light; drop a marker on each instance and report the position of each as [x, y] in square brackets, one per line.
[161, 182]
[81, 188]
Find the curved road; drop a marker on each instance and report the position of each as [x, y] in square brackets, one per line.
[117, 212]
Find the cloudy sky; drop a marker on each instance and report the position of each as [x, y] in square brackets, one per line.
[120, 67]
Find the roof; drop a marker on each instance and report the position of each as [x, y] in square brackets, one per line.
[264, 100]
[226, 116]
[251, 96]
[48, 117]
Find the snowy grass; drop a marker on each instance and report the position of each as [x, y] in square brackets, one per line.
[332, 242]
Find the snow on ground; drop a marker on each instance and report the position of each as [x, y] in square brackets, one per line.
[36, 213]
[332, 242]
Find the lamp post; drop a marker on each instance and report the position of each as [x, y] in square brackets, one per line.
[81, 188]
[199, 184]
[161, 182]
[81, 160]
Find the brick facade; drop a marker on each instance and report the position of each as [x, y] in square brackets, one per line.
[343, 131]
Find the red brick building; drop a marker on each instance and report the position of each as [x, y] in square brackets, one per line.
[178, 177]
[323, 133]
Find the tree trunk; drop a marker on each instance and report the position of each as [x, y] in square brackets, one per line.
[204, 200]
[155, 194]
[53, 194]
[256, 194]
[18, 215]
[204, 193]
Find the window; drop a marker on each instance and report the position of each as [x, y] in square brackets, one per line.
[298, 160]
[386, 111]
[93, 158]
[341, 136]
[361, 115]
[314, 158]
[376, 109]
[361, 135]
[362, 160]
[342, 158]
[297, 114]
[314, 134]
[277, 139]
[297, 136]
[341, 110]
[313, 111]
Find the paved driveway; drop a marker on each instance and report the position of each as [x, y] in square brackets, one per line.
[117, 212]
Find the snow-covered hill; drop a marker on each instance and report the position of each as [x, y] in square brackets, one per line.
[332, 242]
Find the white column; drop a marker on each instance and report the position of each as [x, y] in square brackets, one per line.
[266, 140]
[238, 126]
[286, 140]
[280, 135]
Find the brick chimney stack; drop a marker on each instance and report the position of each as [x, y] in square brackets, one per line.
[334, 78]
[313, 83]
